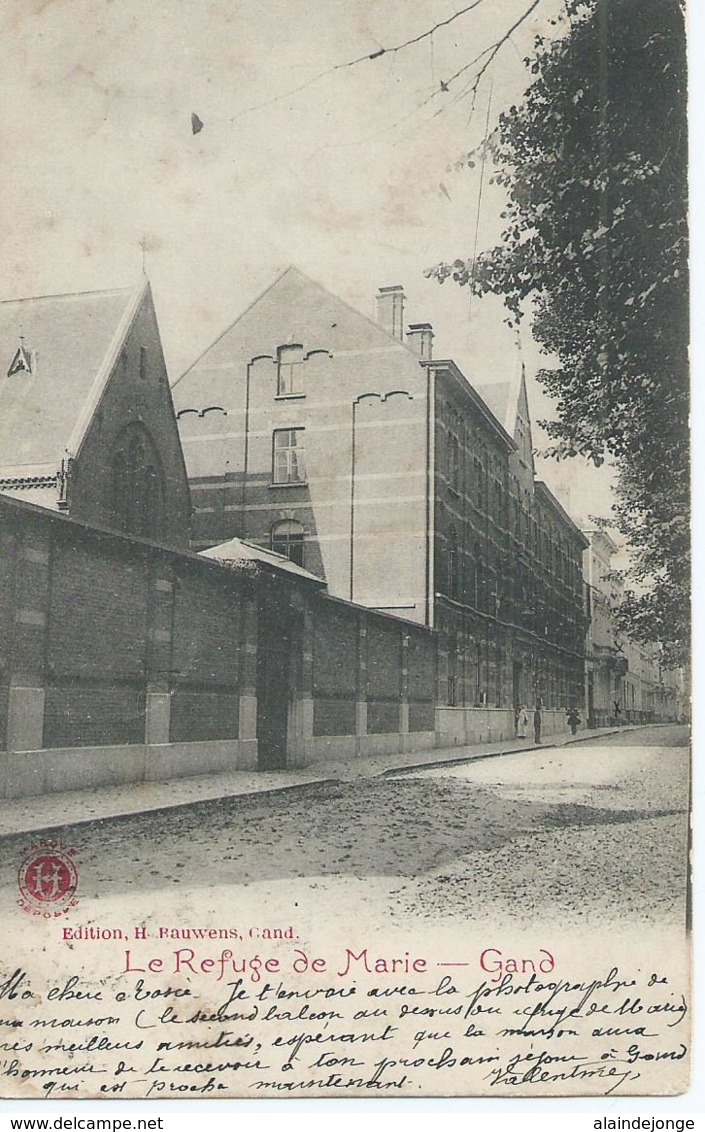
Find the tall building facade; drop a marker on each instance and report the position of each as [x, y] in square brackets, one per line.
[340, 442]
[626, 682]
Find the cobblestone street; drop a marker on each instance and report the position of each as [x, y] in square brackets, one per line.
[573, 835]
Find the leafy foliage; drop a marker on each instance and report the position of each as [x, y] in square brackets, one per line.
[594, 162]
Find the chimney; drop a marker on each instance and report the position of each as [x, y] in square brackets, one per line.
[390, 310]
[420, 337]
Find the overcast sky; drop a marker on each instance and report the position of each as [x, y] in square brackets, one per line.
[348, 177]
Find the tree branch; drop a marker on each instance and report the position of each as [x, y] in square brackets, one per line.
[490, 52]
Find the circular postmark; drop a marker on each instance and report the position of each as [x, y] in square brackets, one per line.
[47, 878]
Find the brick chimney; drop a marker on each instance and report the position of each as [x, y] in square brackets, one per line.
[390, 310]
[420, 337]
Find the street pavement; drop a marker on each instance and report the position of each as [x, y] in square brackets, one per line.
[575, 834]
[602, 832]
[51, 811]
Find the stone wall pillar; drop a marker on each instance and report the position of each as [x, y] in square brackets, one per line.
[361, 683]
[248, 668]
[26, 693]
[159, 655]
[404, 690]
[307, 675]
[157, 715]
[301, 719]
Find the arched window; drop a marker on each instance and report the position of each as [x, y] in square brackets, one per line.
[137, 487]
[288, 539]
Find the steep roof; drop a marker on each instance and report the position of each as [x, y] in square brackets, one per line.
[496, 397]
[291, 304]
[55, 352]
[509, 403]
[503, 397]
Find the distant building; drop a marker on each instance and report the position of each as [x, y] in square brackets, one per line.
[87, 424]
[341, 443]
[626, 682]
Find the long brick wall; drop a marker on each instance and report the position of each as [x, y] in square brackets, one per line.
[119, 660]
[373, 676]
[124, 661]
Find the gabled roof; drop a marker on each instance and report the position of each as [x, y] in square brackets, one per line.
[502, 397]
[71, 342]
[509, 402]
[496, 397]
[544, 492]
[237, 552]
[292, 303]
[448, 366]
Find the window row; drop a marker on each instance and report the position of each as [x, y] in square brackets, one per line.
[472, 580]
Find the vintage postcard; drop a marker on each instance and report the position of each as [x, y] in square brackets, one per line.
[344, 666]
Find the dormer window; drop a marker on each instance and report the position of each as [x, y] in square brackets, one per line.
[290, 371]
[22, 361]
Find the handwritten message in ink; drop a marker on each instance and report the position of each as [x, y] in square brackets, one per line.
[174, 1019]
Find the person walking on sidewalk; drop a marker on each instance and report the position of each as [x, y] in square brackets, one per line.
[537, 724]
[573, 720]
[522, 722]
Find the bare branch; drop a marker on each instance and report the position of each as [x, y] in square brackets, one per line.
[413, 40]
[488, 55]
[490, 52]
[356, 62]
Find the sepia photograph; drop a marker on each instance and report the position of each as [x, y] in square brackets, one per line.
[345, 670]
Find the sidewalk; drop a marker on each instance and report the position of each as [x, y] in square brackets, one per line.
[50, 812]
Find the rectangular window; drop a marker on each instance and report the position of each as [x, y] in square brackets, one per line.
[290, 370]
[454, 463]
[288, 456]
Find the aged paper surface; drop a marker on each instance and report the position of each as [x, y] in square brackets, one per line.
[484, 975]
[508, 927]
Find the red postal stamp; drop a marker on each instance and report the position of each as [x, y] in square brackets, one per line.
[47, 878]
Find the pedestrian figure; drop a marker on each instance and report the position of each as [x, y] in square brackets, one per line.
[537, 725]
[573, 720]
[522, 722]
[617, 711]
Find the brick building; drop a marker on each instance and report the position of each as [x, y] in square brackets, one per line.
[626, 681]
[125, 661]
[87, 424]
[126, 657]
[341, 443]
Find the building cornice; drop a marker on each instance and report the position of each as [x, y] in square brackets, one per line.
[547, 495]
[452, 369]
